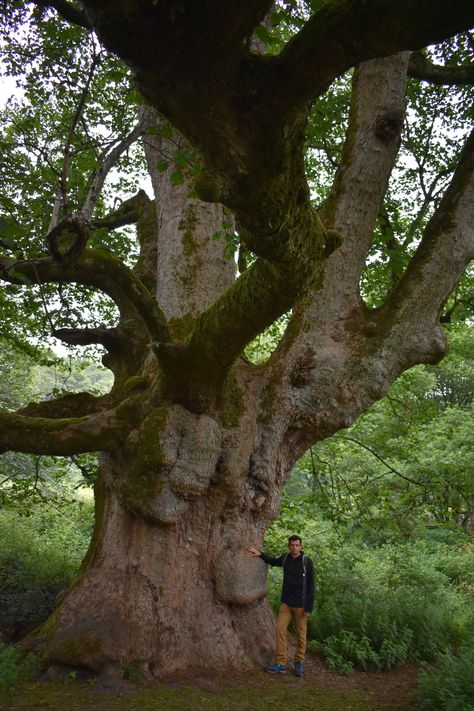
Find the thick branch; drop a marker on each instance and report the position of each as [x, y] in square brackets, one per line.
[178, 35]
[99, 269]
[39, 435]
[127, 214]
[108, 337]
[421, 68]
[262, 293]
[342, 34]
[68, 12]
[372, 141]
[69, 405]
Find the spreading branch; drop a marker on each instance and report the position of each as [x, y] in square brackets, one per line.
[72, 128]
[386, 464]
[127, 214]
[421, 68]
[263, 292]
[94, 432]
[110, 338]
[99, 269]
[342, 34]
[68, 405]
[67, 11]
[373, 138]
[38, 435]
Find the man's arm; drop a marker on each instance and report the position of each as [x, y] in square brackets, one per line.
[266, 558]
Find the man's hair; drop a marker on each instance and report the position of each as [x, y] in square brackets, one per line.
[295, 538]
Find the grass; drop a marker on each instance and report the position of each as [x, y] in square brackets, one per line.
[261, 693]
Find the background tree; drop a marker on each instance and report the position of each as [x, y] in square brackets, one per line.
[197, 441]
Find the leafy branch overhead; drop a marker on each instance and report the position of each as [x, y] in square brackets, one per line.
[245, 117]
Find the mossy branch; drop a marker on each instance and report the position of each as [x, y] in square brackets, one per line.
[344, 33]
[67, 11]
[100, 269]
[421, 68]
[68, 405]
[128, 213]
[64, 436]
[265, 291]
[110, 338]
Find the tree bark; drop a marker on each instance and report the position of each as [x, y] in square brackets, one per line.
[167, 583]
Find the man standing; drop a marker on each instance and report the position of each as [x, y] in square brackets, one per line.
[297, 598]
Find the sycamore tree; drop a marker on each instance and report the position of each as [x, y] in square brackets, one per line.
[195, 439]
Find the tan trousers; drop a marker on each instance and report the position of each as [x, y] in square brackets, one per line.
[285, 616]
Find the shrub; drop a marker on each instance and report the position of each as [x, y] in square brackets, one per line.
[8, 666]
[451, 686]
[14, 668]
[39, 557]
[379, 608]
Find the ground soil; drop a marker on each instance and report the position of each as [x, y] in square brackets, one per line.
[320, 689]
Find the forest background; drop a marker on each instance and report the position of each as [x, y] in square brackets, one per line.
[385, 508]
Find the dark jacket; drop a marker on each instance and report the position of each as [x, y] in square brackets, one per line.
[298, 586]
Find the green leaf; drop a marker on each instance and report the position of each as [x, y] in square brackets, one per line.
[133, 98]
[162, 165]
[261, 33]
[166, 131]
[177, 178]
[180, 158]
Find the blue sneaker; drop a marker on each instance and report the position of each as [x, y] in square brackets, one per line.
[276, 669]
[298, 668]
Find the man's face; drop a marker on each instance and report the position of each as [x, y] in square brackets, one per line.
[295, 548]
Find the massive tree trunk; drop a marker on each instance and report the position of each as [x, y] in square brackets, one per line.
[169, 592]
[197, 442]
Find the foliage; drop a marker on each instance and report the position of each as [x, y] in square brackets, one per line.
[8, 666]
[39, 557]
[436, 118]
[450, 685]
[406, 466]
[55, 65]
[15, 668]
[380, 607]
[29, 480]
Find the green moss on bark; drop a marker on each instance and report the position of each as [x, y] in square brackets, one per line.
[180, 328]
[149, 449]
[232, 405]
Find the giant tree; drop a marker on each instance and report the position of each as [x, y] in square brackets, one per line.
[196, 441]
